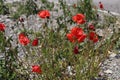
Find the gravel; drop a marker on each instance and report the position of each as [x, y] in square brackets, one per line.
[111, 67]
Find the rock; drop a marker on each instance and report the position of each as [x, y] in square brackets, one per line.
[99, 32]
[108, 71]
[117, 56]
[112, 55]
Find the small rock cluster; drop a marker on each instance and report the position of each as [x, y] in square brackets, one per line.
[111, 67]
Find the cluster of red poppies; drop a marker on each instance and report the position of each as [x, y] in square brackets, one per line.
[76, 34]
[24, 40]
[93, 36]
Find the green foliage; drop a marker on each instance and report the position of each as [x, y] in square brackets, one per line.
[117, 46]
[3, 8]
[110, 19]
[85, 7]
[9, 60]
[29, 8]
[21, 10]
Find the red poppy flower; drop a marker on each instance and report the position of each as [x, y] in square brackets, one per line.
[77, 31]
[101, 5]
[93, 36]
[91, 27]
[2, 27]
[36, 69]
[35, 42]
[79, 18]
[95, 40]
[76, 34]
[23, 39]
[71, 37]
[76, 51]
[21, 35]
[82, 38]
[83, 21]
[44, 14]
